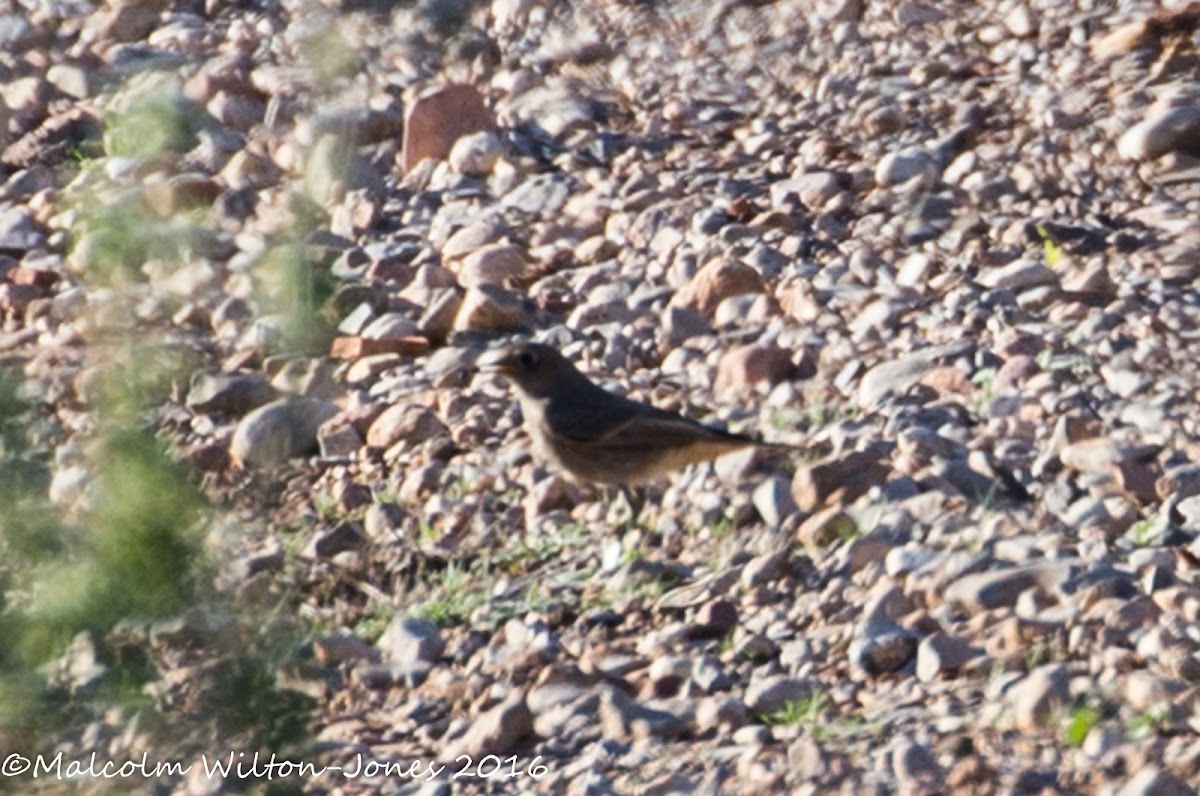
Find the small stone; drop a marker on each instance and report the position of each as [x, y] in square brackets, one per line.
[680, 324]
[941, 654]
[340, 538]
[72, 80]
[1038, 695]
[1019, 21]
[843, 479]
[998, 588]
[436, 121]
[1153, 781]
[493, 264]
[1096, 455]
[275, 432]
[497, 731]
[407, 423]
[764, 569]
[773, 500]
[340, 648]
[915, 765]
[338, 437]
[182, 192]
[1019, 275]
[668, 673]
[826, 527]
[408, 640]
[1143, 690]
[228, 393]
[897, 167]
[771, 694]
[751, 364]
[475, 155]
[15, 299]
[714, 619]
[894, 378]
[384, 522]
[549, 494]
[717, 281]
[622, 719]
[882, 647]
[389, 326]
[1173, 130]
[488, 308]
[355, 348]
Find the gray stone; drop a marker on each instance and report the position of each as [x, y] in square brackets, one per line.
[773, 500]
[408, 640]
[997, 588]
[913, 764]
[497, 731]
[941, 654]
[228, 393]
[1018, 275]
[623, 719]
[273, 433]
[771, 694]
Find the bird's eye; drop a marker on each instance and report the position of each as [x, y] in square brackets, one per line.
[527, 360]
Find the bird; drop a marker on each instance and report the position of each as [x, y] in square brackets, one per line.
[596, 436]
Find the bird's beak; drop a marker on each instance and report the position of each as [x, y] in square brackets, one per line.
[497, 361]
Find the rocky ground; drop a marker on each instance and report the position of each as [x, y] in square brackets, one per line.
[949, 249]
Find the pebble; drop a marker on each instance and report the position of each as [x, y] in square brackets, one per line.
[1038, 695]
[279, 430]
[408, 641]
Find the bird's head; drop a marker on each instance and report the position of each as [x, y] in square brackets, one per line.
[535, 369]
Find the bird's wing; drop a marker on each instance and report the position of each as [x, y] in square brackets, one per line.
[612, 421]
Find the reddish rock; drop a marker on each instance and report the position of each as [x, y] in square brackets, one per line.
[948, 381]
[847, 479]
[717, 281]
[437, 120]
[353, 347]
[746, 365]
[34, 277]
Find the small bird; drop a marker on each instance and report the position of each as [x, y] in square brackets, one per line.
[597, 436]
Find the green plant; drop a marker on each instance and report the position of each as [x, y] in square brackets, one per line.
[294, 287]
[1147, 531]
[454, 597]
[1150, 722]
[1050, 362]
[822, 413]
[805, 711]
[1052, 253]
[1079, 724]
[155, 118]
[374, 621]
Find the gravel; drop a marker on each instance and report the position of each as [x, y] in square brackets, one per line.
[945, 250]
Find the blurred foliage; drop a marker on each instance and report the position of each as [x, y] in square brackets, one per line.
[296, 289]
[328, 52]
[88, 581]
[156, 117]
[122, 237]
